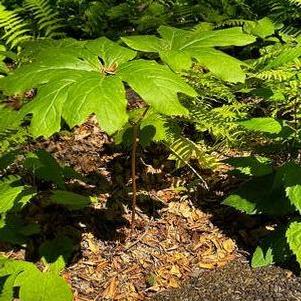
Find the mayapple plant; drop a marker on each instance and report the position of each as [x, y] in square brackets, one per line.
[74, 79]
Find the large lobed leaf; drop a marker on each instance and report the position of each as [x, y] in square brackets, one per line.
[261, 195]
[273, 249]
[178, 47]
[293, 235]
[47, 286]
[44, 167]
[262, 124]
[75, 79]
[292, 181]
[14, 195]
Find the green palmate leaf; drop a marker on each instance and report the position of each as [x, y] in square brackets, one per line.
[262, 124]
[252, 166]
[10, 189]
[56, 253]
[222, 65]
[70, 200]
[178, 47]
[156, 85]
[47, 287]
[75, 81]
[291, 173]
[7, 287]
[32, 48]
[293, 235]
[261, 195]
[35, 285]
[261, 28]
[273, 249]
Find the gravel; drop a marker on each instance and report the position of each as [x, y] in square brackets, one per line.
[238, 282]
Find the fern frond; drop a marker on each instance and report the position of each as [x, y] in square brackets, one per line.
[295, 2]
[280, 75]
[12, 135]
[208, 86]
[291, 31]
[48, 21]
[184, 150]
[219, 121]
[283, 10]
[231, 23]
[278, 55]
[15, 29]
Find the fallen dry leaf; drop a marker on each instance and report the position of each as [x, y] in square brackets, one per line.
[175, 271]
[110, 291]
[205, 265]
[229, 245]
[174, 283]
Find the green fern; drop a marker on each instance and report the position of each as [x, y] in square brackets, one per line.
[231, 23]
[287, 12]
[216, 109]
[277, 72]
[184, 150]
[12, 135]
[219, 122]
[279, 75]
[48, 21]
[15, 29]
[296, 2]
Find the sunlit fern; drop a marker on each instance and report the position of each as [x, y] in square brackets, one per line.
[278, 71]
[12, 135]
[48, 22]
[219, 122]
[14, 29]
[184, 150]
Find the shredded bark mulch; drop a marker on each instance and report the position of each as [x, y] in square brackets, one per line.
[161, 254]
[180, 233]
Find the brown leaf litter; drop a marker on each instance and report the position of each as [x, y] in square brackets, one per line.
[162, 255]
[166, 249]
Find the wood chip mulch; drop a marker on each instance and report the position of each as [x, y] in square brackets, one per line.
[161, 254]
[172, 244]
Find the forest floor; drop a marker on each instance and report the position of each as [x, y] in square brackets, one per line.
[185, 246]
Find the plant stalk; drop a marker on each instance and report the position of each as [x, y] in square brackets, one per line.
[136, 127]
[133, 174]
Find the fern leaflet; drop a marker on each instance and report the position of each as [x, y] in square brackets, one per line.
[47, 20]
[15, 29]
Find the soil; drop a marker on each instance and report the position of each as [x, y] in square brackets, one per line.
[238, 282]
